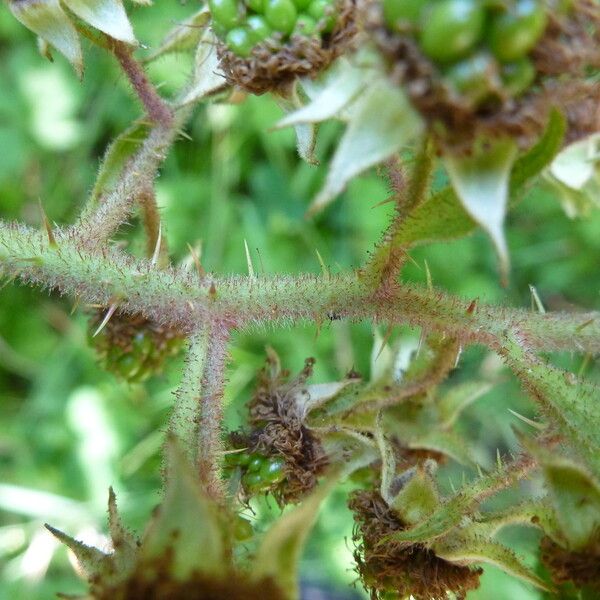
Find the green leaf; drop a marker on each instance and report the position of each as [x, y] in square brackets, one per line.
[184, 36]
[459, 397]
[449, 443]
[575, 496]
[465, 549]
[538, 157]
[381, 122]
[417, 498]
[116, 156]
[280, 551]
[534, 513]
[187, 526]
[48, 20]
[442, 217]
[108, 16]
[462, 504]
[481, 180]
[350, 449]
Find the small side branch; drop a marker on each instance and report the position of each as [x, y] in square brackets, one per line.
[389, 256]
[198, 412]
[158, 110]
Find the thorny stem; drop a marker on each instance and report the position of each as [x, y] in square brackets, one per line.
[180, 299]
[390, 256]
[98, 223]
[198, 413]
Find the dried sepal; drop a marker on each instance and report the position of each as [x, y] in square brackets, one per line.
[273, 65]
[414, 570]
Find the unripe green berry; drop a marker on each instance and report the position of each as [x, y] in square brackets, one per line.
[218, 29]
[401, 12]
[302, 4]
[474, 78]
[242, 529]
[518, 76]
[253, 482]
[259, 28]
[281, 15]
[255, 463]
[515, 32]
[305, 25]
[240, 41]
[256, 5]
[225, 12]
[451, 28]
[320, 11]
[273, 470]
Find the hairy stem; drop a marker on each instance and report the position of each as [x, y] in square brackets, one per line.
[99, 221]
[390, 255]
[198, 412]
[158, 110]
[181, 299]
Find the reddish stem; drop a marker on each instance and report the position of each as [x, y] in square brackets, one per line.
[155, 106]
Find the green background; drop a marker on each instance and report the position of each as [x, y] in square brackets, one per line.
[68, 430]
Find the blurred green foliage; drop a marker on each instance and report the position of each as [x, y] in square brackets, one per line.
[68, 430]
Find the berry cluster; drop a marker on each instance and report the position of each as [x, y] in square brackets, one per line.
[260, 472]
[132, 347]
[479, 47]
[243, 25]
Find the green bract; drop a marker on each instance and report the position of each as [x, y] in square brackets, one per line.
[451, 28]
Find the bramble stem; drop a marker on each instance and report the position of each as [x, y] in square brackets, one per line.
[198, 411]
[177, 298]
[158, 110]
[98, 222]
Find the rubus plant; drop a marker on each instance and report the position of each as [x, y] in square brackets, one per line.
[489, 97]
